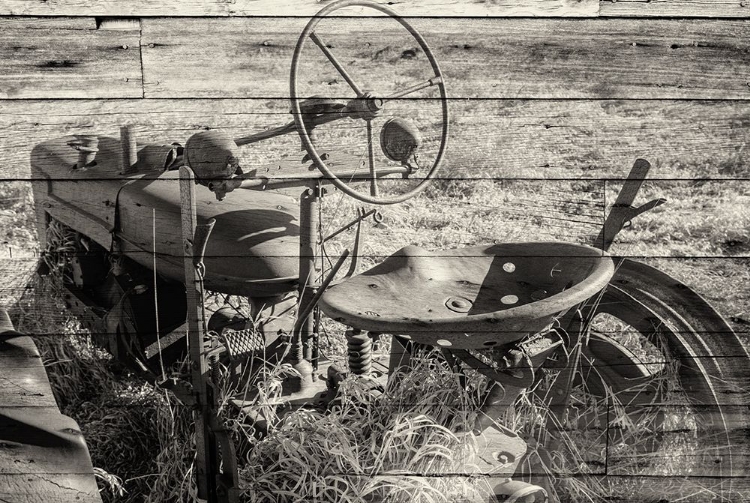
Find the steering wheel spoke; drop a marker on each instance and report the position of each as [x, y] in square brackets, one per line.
[413, 89]
[335, 62]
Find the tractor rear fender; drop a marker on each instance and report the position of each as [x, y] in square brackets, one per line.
[677, 296]
[43, 456]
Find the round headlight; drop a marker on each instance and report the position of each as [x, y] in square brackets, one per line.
[400, 140]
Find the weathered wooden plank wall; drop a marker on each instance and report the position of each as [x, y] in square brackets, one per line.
[572, 99]
[25, 392]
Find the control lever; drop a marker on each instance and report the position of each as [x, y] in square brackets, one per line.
[623, 211]
[361, 216]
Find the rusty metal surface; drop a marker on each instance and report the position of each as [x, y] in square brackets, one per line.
[82, 198]
[252, 249]
[508, 291]
[254, 246]
[43, 456]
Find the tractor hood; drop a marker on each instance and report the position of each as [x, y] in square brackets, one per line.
[253, 249]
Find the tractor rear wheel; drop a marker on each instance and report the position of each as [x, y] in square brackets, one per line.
[655, 392]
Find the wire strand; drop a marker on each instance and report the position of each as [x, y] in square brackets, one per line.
[156, 296]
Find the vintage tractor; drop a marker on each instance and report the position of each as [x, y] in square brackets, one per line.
[150, 229]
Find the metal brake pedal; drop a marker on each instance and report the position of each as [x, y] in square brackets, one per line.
[243, 343]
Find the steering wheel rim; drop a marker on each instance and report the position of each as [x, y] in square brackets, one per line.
[304, 134]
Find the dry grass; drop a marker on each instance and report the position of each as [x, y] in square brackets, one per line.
[392, 446]
[395, 445]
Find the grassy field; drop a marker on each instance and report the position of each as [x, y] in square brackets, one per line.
[140, 437]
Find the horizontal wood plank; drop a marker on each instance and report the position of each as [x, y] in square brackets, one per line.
[490, 142]
[720, 281]
[480, 58]
[658, 488]
[691, 215]
[297, 8]
[668, 442]
[40, 440]
[676, 8]
[19, 349]
[488, 138]
[497, 58]
[449, 8]
[43, 456]
[67, 58]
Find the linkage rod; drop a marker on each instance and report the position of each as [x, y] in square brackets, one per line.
[371, 158]
[317, 120]
[265, 135]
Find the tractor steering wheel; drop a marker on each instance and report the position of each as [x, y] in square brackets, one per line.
[365, 106]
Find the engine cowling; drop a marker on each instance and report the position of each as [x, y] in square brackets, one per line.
[253, 249]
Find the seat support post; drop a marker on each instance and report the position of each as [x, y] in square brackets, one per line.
[309, 241]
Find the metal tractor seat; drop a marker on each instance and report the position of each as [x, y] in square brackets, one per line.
[470, 298]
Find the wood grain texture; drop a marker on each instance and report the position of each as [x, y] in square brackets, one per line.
[677, 8]
[19, 351]
[43, 456]
[696, 149]
[729, 429]
[481, 58]
[660, 488]
[43, 488]
[23, 379]
[449, 8]
[25, 386]
[297, 8]
[488, 138]
[67, 57]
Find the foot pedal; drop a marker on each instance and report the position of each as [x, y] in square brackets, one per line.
[243, 343]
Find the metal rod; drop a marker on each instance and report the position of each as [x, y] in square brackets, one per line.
[314, 37]
[308, 308]
[308, 245]
[156, 296]
[348, 226]
[416, 87]
[265, 135]
[371, 158]
[316, 120]
[204, 447]
[282, 181]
